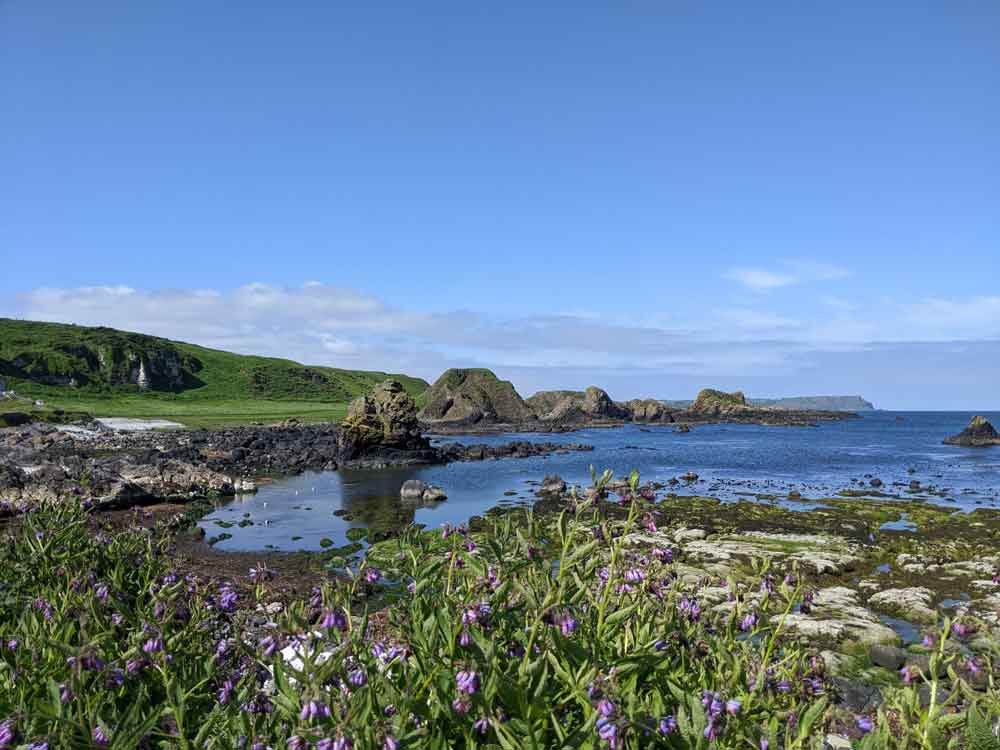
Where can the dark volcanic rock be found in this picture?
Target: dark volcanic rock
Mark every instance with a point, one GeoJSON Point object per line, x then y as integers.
{"type": "Point", "coordinates": [978, 434]}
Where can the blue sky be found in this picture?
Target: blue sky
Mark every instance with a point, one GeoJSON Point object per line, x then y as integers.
{"type": "Point", "coordinates": [652, 196]}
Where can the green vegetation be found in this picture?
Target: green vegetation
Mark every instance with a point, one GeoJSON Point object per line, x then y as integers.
{"type": "Point", "coordinates": [97, 370]}
{"type": "Point", "coordinates": [562, 631]}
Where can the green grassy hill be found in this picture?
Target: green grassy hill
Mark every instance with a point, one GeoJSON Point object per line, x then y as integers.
{"type": "Point", "coordinates": [107, 372]}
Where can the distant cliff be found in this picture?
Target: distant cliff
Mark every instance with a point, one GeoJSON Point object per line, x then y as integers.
{"type": "Point", "coordinates": [816, 403]}
{"type": "Point", "coordinates": [796, 403]}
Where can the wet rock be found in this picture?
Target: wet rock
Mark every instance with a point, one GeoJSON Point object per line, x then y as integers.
{"type": "Point", "coordinates": [412, 489]}
{"type": "Point", "coordinates": [553, 484]}
{"type": "Point", "coordinates": [927, 690]}
{"type": "Point", "coordinates": [890, 657]}
{"type": "Point", "coordinates": [856, 696]}
{"type": "Point", "coordinates": [434, 494]}
{"type": "Point", "coordinates": [913, 603]}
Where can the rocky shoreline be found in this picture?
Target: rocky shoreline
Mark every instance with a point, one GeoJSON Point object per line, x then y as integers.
{"type": "Point", "coordinates": [42, 463]}
{"type": "Point", "coordinates": [883, 578]}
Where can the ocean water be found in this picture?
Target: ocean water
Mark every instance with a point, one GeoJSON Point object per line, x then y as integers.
{"type": "Point", "coordinates": [733, 462]}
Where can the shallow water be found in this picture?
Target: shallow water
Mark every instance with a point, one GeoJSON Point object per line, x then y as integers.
{"type": "Point", "coordinates": [734, 462]}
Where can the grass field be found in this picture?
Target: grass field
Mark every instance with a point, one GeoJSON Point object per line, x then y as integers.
{"type": "Point", "coordinates": [219, 387]}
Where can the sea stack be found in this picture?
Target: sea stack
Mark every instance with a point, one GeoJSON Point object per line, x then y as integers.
{"type": "Point", "coordinates": [979, 434]}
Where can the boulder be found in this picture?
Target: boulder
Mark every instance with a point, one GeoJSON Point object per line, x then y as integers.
{"type": "Point", "coordinates": [412, 489]}
{"type": "Point", "coordinates": [979, 434]}
{"type": "Point", "coordinates": [416, 491]}
{"type": "Point", "coordinates": [386, 418]}
{"type": "Point", "coordinates": [553, 485]}
{"type": "Point", "coordinates": [434, 494]}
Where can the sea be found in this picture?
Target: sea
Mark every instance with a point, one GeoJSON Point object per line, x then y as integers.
{"type": "Point", "coordinates": [733, 463]}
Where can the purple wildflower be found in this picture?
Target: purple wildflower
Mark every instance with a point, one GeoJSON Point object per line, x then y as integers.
{"type": "Point", "coordinates": [467, 682]}
{"type": "Point", "coordinates": [865, 724]}
{"type": "Point", "coordinates": [225, 693]}
{"type": "Point", "coordinates": [461, 705]}
{"type": "Point", "coordinates": [749, 622]}
{"type": "Point", "coordinates": [663, 555]}
{"type": "Point", "coordinates": [607, 730]}
{"type": "Point", "coordinates": [268, 645]}
{"type": "Point", "coordinates": [100, 737]}
{"type": "Point", "coordinates": [372, 575]}
{"type": "Point", "coordinates": [153, 645]}
{"type": "Point", "coordinates": [634, 575]}
{"type": "Point", "coordinates": [357, 677]}
{"type": "Point", "coordinates": [334, 619]}
{"type": "Point", "coordinates": [668, 725]}
{"type": "Point", "coordinates": [314, 710]}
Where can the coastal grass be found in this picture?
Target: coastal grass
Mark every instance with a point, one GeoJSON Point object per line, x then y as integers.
{"type": "Point", "coordinates": [196, 412]}
{"type": "Point", "coordinates": [218, 387]}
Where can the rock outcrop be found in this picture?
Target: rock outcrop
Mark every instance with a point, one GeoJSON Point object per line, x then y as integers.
{"type": "Point", "coordinates": [978, 434]}
{"type": "Point", "coordinates": [383, 420]}
{"type": "Point", "coordinates": [577, 407]}
{"type": "Point", "coordinates": [472, 397]}
{"type": "Point", "coordinates": [713, 403]}
{"type": "Point", "coordinates": [649, 410]}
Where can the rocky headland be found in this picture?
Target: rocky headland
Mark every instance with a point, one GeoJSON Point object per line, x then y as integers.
{"type": "Point", "coordinates": [471, 401]}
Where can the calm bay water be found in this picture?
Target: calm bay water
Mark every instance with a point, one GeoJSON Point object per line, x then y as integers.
{"type": "Point", "coordinates": [733, 462]}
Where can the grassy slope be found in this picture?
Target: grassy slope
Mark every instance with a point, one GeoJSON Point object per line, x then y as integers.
{"type": "Point", "coordinates": [236, 388]}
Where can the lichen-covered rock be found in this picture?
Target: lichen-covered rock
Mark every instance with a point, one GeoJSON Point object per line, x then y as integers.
{"type": "Point", "coordinates": [813, 552]}
{"type": "Point", "coordinates": [837, 615]}
{"type": "Point", "coordinates": [980, 433]}
{"type": "Point", "coordinates": [386, 418]}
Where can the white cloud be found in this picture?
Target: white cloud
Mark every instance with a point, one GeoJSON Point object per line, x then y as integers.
{"type": "Point", "coordinates": [760, 279]}
{"type": "Point", "coordinates": [790, 273]}
{"type": "Point", "coordinates": [329, 325]}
